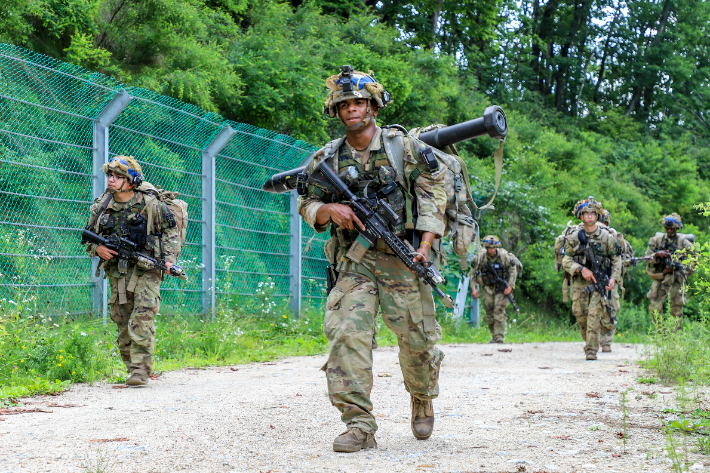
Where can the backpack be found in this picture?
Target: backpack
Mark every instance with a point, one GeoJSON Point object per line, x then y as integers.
{"type": "Point", "coordinates": [560, 243]}
{"type": "Point", "coordinates": [687, 236]}
{"type": "Point", "coordinates": [167, 198]}
{"type": "Point", "coordinates": [516, 264]}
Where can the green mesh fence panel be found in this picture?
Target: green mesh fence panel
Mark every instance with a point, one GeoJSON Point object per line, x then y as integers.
{"type": "Point", "coordinates": [46, 116]}
{"type": "Point", "coordinates": [47, 113]}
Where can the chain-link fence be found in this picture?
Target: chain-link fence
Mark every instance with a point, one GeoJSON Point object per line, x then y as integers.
{"type": "Point", "coordinates": [60, 123]}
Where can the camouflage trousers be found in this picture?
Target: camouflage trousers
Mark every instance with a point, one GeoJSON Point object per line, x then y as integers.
{"type": "Point", "coordinates": [592, 317]}
{"type": "Point", "coordinates": [607, 336]}
{"type": "Point", "coordinates": [660, 292]}
{"type": "Point", "coordinates": [135, 320]}
{"type": "Point", "coordinates": [495, 303]}
{"type": "Point", "coordinates": [378, 280]}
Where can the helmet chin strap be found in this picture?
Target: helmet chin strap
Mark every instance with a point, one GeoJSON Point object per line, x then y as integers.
{"type": "Point", "coordinates": [360, 125]}
{"type": "Point", "coordinates": [118, 191]}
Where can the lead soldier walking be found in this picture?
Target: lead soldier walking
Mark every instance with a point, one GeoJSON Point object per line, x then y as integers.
{"type": "Point", "coordinates": [368, 278]}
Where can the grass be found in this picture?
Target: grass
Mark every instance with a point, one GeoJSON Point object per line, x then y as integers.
{"type": "Point", "coordinates": [679, 354]}
{"type": "Point", "coordinates": [42, 355]}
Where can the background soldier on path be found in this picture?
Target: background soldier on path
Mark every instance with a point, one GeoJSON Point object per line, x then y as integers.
{"type": "Point", "coordinates": [494, 295]}
{"type": "Point", "coordinates": [589, 306]}
{"type": "Point", "coordinates": [375, 277]}
{"type": "Point", "coordinates": [124, 209]}
{"type": "Point", "coordinates": [667, 271]}
{"type": "Point", "coordinates": [627, 252]}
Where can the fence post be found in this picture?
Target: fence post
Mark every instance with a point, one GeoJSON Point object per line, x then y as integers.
{"type": "Point", "coordinates": [476, 308]}
{"type": "Point", "coordinates": [209, 236]}
{"type": "Point", "coordinates": [295, 227]}
{"type": "Point", "coordinates": [100, 157]}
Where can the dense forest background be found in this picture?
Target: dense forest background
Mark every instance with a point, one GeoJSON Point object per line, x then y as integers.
{"type": "Point", "coordinates": [604, 97]}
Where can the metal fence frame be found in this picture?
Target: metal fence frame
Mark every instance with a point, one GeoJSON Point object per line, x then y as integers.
{"type": "Point", "coordinates": [111, 110]}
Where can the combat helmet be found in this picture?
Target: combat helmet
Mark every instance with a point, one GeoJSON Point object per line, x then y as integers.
{"type": "Point", "coordinates": [588, 205]}
{"type": "Point", "coordinates": [126, 166]}
{"type": "Point", "coordinates": [491, 241]}
{"type": "Point", "coordinates": [672, 221]}
{"type": "Point", "coordinates": [351, 84]}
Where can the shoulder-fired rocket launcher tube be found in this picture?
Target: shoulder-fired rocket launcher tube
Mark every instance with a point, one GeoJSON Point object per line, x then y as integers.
{"type": "Point", "coordinates": [493, 123]}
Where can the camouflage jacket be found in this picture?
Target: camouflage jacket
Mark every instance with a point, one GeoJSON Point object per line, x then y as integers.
{"type": "Point", "coordinates": [427, 187]}
{"type": "Point", "coordinates": [163, 237]}
{"type": "Point", "coordinates": [504, 264]}
{"type": "Point", "coordinates": [627, 251]}
{"type": "Point", "coordinates": [656, 266]}
{"type": "Point", "coordinates": [605, 247]}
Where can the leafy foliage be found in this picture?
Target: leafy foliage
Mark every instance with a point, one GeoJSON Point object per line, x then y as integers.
{"type": "Point", "coordinates": [603, 98]}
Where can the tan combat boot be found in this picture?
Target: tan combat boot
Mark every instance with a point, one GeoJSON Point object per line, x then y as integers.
{"type": "Point", "coordinates": [354, 440]}
{"type": "Point", "coordinates": [138, 378]}
{"type": "Point", "coordinates": [422, 418]}
{"type": "Point", "coordinates": [591, 355]}
{"type": "Point", "coordinates": [606, 349]}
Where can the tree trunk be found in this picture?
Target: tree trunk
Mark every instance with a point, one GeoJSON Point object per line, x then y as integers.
{"type": "Point", "coordinates": [602, 66]}
{"type": "Point", "coordinates": [640, 89]}
{"type": "Point", "coordinates": [435, 24]}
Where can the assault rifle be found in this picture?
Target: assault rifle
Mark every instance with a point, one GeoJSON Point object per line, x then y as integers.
{"type": "Point", "coordinates": [503, 284]}
{"type": "Point", "coordinates": [601, 277]}
{"type": "Point", "coordinates": [635, 261]}
{"type": "Point", "coordinates": [668, 261]}
{"type": "Point", "coordinates": [126, 250]}
{"type": "Point", "coordinates": [377, 215]}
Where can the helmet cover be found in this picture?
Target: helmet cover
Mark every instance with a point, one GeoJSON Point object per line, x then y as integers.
{"type": "Point", "coordinates": [672, 221]}
{"type": "Point", "coordinates": [351, 84]}
{"type": "Point", "coordinates": [588, 205]}
{"type": "Point", "coordinates": [125, 166]}
{"type": "Point", "coordinates": [491, 241]}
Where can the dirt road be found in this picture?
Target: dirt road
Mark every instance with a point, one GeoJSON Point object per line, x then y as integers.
{"type": "Point", "coordinates": [539, 407]}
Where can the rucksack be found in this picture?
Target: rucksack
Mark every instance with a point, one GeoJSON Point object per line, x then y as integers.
{"type": "Point", "coordinates": [168, 198]}
{"type": "Point", "coordinates": [560, 243]}
{"type": "Point", "coordinates": [687, 236]}
{"type": "Point", "coordinates": [517, 264]}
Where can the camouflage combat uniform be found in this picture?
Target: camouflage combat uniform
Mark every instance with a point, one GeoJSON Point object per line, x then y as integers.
{"type": "Point", "coordinates": [378, 279]}
{"type": "Point", "coordinates": [671, 284]}
{"type": "Point", "coordinates": [588, 308]}
{"type": "Point", "coordinates": [607, 335]}
{"type": "Point", "coordinates": [494, 301]}
{"type": "Point", "coordinates": [135, 295]}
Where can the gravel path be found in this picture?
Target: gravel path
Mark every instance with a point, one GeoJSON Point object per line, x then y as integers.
{"type": "Point", "coordinates": [539, 407]}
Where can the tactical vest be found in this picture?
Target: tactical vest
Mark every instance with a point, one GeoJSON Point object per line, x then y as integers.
{"type": "Point", "coordinates": [660, 242]}
{"type": "Point", "coordinates": [598, 247]}
{"type": "Point", "coordinates": [378, 178]}
{"type": "Point", "coordinates": [489, 278]}
{"type": "Point", "coordinates": [126, 223]}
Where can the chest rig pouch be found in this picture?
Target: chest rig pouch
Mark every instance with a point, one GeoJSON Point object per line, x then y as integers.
{"type": "Point", "coordinates": [489, 278]}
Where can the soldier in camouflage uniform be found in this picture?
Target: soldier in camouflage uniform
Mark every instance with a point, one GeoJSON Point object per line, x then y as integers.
{"type": "Point", "coordinates": [627, 252]}
{"type": "Point", "coordinates": [588, 307]}
{"type": "Point", "coordinates": [494, 300]}
{"type": "Point", "coordinates": [375, 277]}
{"type": "Point", "coordinates": [135, 293]}
{"type": "Point", "coordinates": [668, 280]}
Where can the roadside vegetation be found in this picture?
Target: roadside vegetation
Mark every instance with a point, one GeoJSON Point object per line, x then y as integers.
{"type": "Point", "coordinates": [44, 355]}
